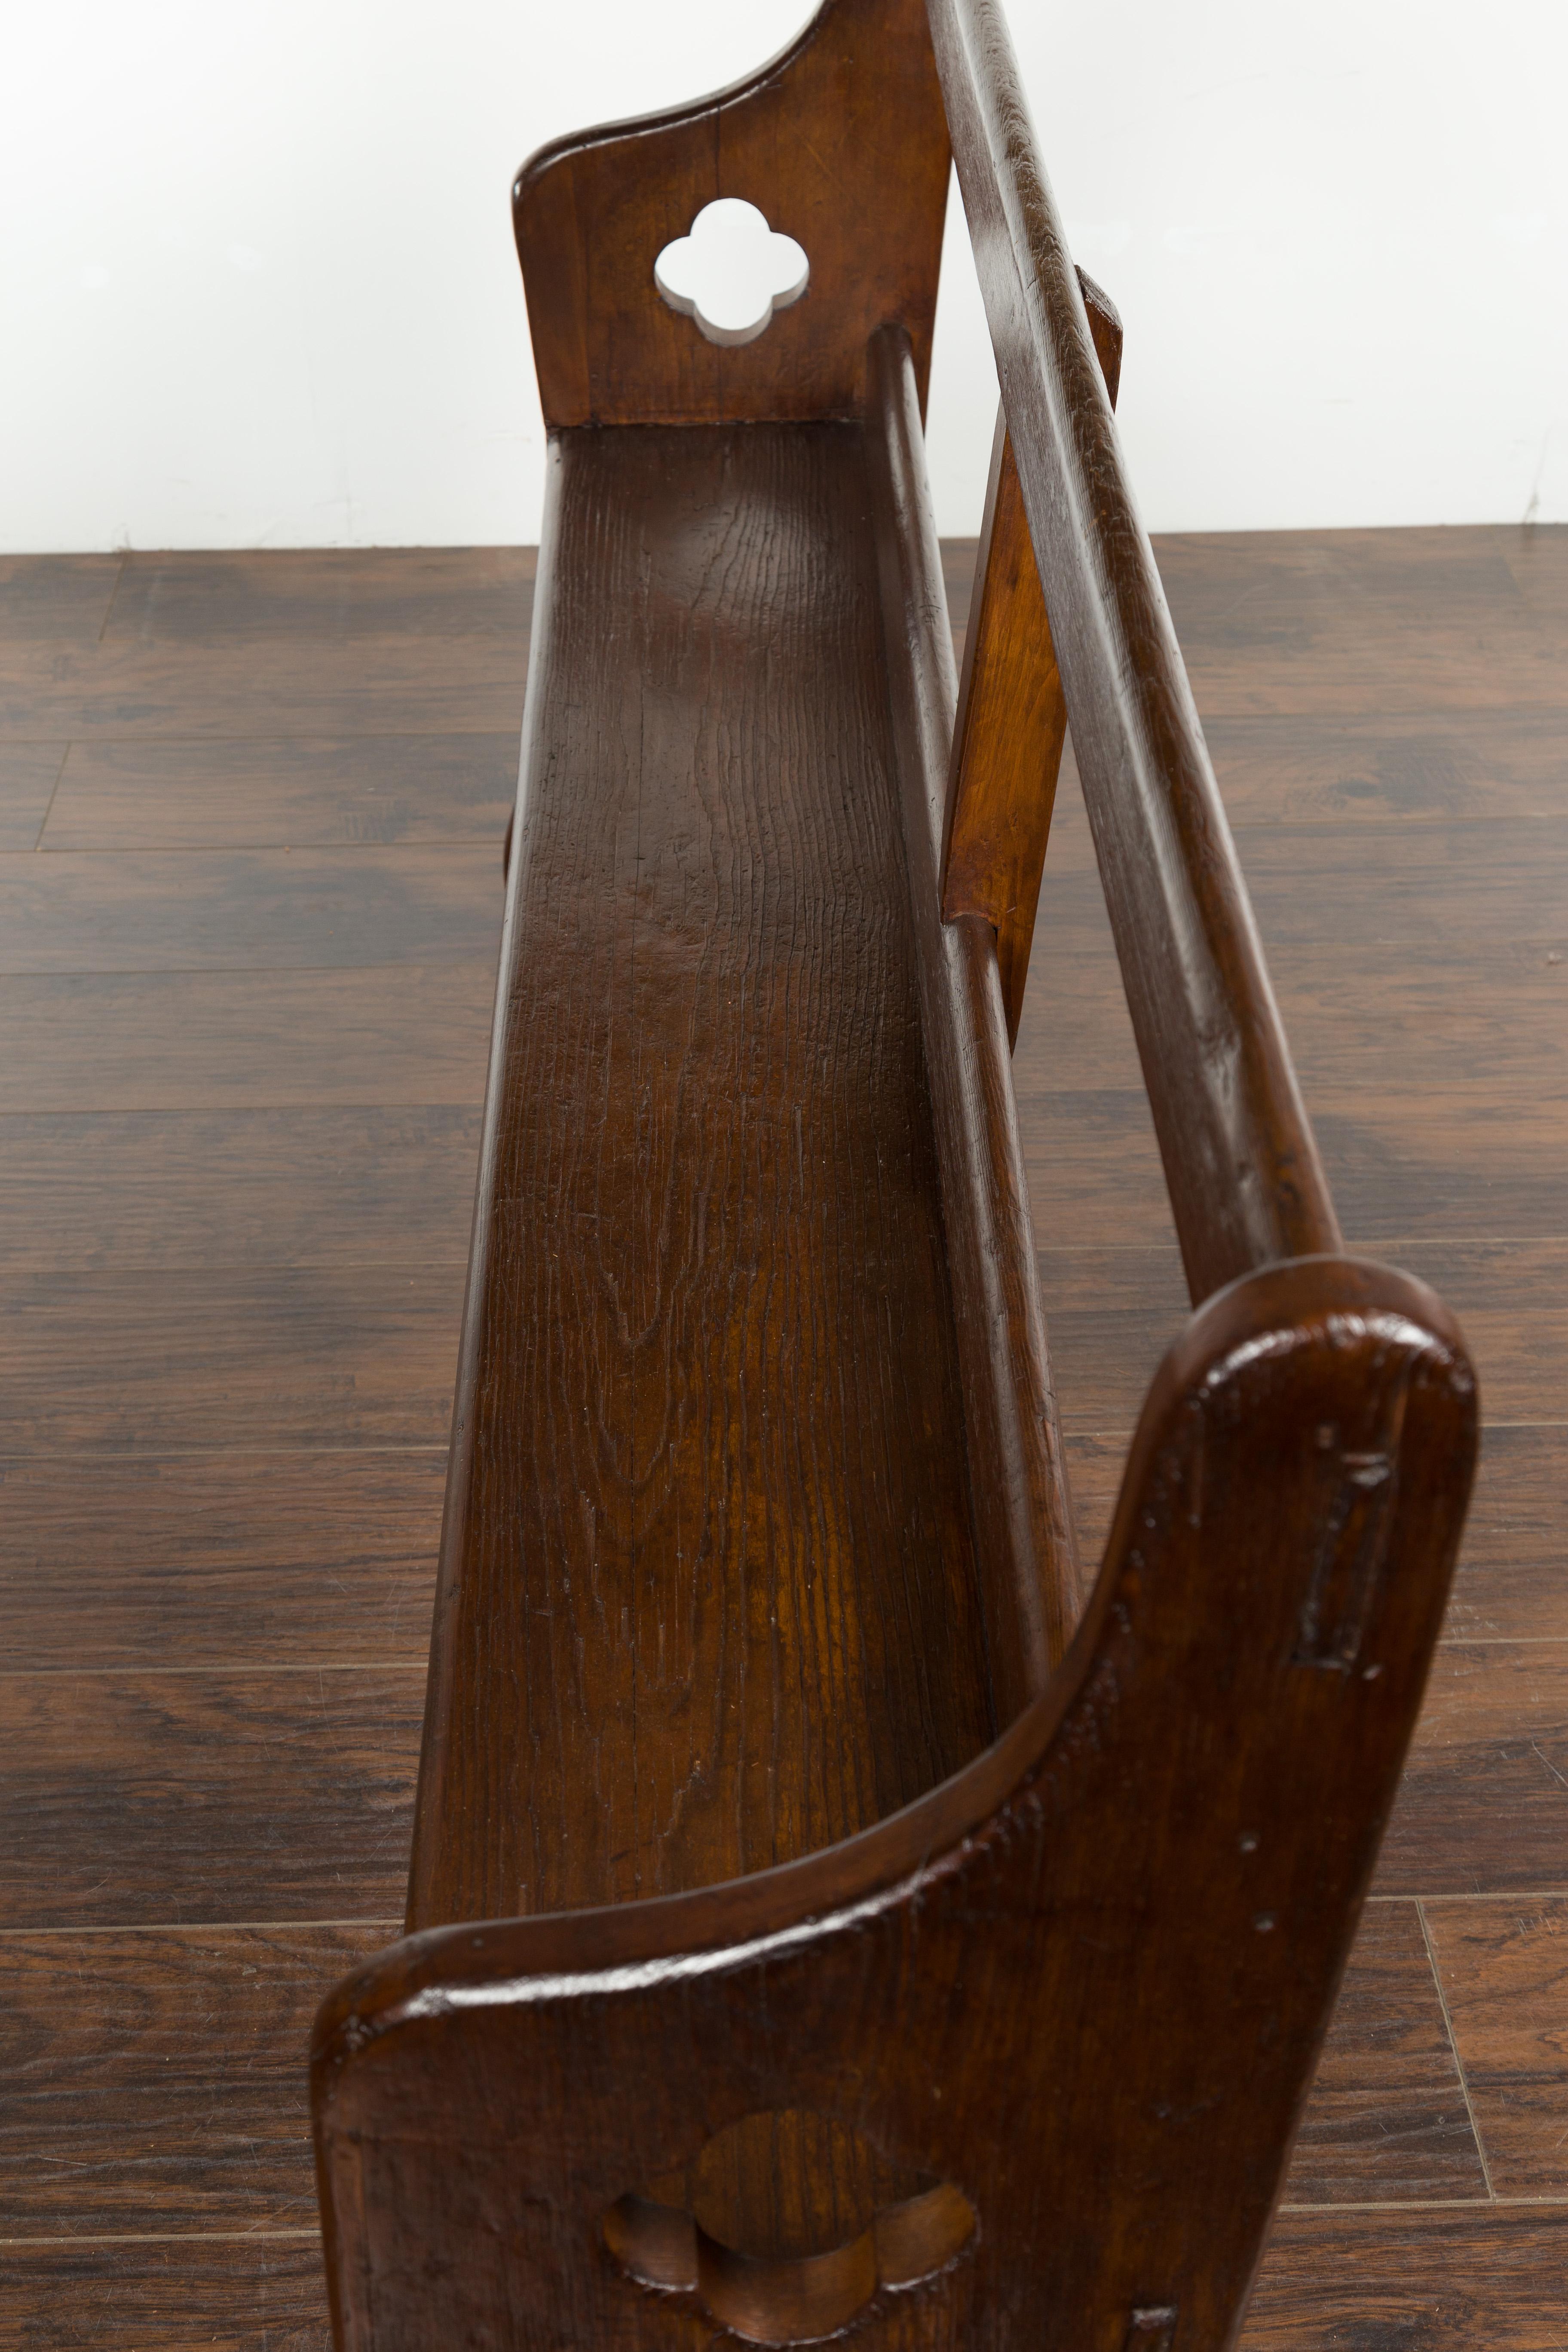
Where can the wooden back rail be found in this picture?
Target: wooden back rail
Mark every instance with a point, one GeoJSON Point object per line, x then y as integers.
{"type": "Point", "coordinates": [824, 1912]}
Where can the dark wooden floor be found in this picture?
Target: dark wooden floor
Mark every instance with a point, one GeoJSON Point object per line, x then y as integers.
{"type": "Point", "coordinates": [251, 813]}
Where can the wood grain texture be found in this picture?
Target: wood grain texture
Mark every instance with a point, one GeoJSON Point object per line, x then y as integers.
{"type": "Point", "coordinates": [863, 189]}
{"type": "Point", "coordinates": [1504, 1972]}
{"type": "Point", "coordinates": [205, 1797]}
{"type": "Point", "coordinates": [60, 598]}
{"type": "Point", "coordinates": [1510, 1583]}
{"type": "Point", "coordinates": [990, 1942]}
{"type": "Point", "coordinates": [219, 1560]}
{"type": "Point", "coordinates": [262, 909]}
{"type": "Point", "coordinates": [295, 793]}
{"type": "Point", "coordinates": [1012, 713]}
{"type": "Point", "coordinates": [278, 1188]}
{"type": "Point", "coordinates": [1357, 622]}
{"type": "Point", "coordinates": [378, 1034]}
{"type": "Point", "coordinates": [1411, 2282]}
{"type": "Point", "coordinates": [29, 774]}
{"type": "Point", "coordinates": [212, 2292]}
{"type": "Point", "coordinates": [1113, 1311]}
{"type": "Point", "coordinates": [709, 1536]}
{"type": "Point", "coordinates": [1387, 2120]}
{"type": "Point", "coordinates": [1421, 767]}
{"type": "Point", "coordinates": [1245, 1184]}
{"type": "Point", "coordinates": [1028, 1555]}
{"type": "Point", "coordinates": [1483, 1806]}
{"type": "Point", "coordinates": [174, 1358]}
{"type": "Point", "coordinates": [153, 2079]}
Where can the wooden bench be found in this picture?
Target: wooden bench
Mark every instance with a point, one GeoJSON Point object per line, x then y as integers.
{"type": "Point", "coordinates": [829, 1907]}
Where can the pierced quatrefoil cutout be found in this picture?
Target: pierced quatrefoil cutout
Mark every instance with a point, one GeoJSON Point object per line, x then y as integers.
{"type": "Point", "coordinates": [788, 2224]}
{"type": "Point", "coordinates": [732, 272]}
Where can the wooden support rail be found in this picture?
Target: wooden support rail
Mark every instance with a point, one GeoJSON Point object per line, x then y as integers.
{"type": "Point", "coordinates": [1012, 713]}
{"type": "Point", "coordinates": [1245, 1183]}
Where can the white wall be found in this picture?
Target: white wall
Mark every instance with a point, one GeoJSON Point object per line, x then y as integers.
{"type": "Point", "coordinates": [256, 282]}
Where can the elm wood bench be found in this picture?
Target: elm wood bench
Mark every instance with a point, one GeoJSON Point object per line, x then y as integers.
{"type": "Point", "coordinates": [830, 1909]}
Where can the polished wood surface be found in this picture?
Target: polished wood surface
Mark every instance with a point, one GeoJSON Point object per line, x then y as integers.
{"type": "Point", "coordinates": [1361, 680]}
{"type": "Point", "coordinates": [839, 142]}
{"type": "Point", "coordinates": [1012, 712]}
{"type": "Point", "coordinates": [1245, 1183]}
{"type": "Point", "coordinates": [676, 1641]}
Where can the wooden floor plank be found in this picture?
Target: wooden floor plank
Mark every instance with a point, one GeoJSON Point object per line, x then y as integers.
{"type": "Point", "coordinates": [174, 1360]}
{"type": "Point", "coordinates": [1483, 1805]}
{"type": "Point", "coordinates": [298, 792]}
{"type": "Point", "coordinates": [28, 773]}
{"type": "Point", "coordinates": [219, 1560]}
{"type": "Point", "coordinates": [1511, 1585]}
{"type": "Point", "coordinates": [1423, 767]}
{"type": "Point", "coordinates": [1387, 2118]}
{"type": "Point", "coordinates": [1113, 1312]}
{"type": "Point", "coordinates": [382, 1035]}
{"type": "Point", "coordinates": [261, 909]}
{"type": "Point", "coordinates": [1484, 2281]}
{"type": "Point", "coordinates": [58, 600]}
{"type": "Point", "coordinates": [1503, 1966]}
{"type": "Point", "coordinates": [287, 1187]}
{"type": "Point", "coordinates": [207, 1798]}
{"type": "Point", "coordinates": [158, 2081]}
{"type": "Point", "coordinates": [263, 597]}
{"type": "Point", "coordinates": [243, 2292]}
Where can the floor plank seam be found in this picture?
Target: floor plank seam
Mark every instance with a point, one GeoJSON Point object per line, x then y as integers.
{"type": "Point", "coordinates": [1454, 2047]}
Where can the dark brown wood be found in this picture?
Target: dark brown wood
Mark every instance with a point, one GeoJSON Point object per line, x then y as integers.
{"type": "Point", "coordinates": [707, 1589]}
{"type": "Point", "coordinates": [947, 1983]}
{"type": "Point", "coordinates": [119, 2115]}
{"type": "Point", "coordinates": [203, 1798]}
{"type": "Point", "coordinates": [174, 1358]}
{"type": "Point", "coordinates": [1387, 2121]}
{"type": "Point", "coordinates": [1445, 2281]}
{"type": "Point", "coordinates": [1503, 1967]}
{"type": "Point", "coordinates": [28, 774]}
{"type": "Point", "coordinates": [272, 1557]}
{"type": "Point", "coordinates": [1458, 1120]}
{"type": "Point", "coordinates": [1012, 714]}
{"type": "Point", "coordinates": [1243, 1171]}
{"type": "Point", "coordinates": [299, 793]}
{"type": "Point", "coordinates": [167, 1041]}
{"type": "Point", "coordinates": [1027, 1555]}
{"type": "Point", "coordinates": [863, 189]}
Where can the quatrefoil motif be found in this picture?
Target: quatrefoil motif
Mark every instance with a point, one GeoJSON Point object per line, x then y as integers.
{"type": "Point", "coordinates": [732, 272]}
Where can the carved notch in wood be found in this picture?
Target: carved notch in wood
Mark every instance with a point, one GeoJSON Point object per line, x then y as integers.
{"type": "Point", "coordinates": [788, 2225]}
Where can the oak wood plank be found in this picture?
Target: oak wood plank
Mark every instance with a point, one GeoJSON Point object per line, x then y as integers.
{"type": "Point", "coordinates": [155, 2082]}
{"type": "Point", "coordinates": [219, 1560]}
{"type": "Point", "coordinates": [1406, 1164]}
{"type": "Point", "coordinates": [292, 596]}
{"type": "Point", "coordinates": [375, 1034]}
{"type": "Point", "coordinates": [708, 1587]}
{"type": "Point", "coordinates": [298, 792]}
{"type": "Point", "coordinates": [1504, 1972]}
{"type": "Point", "coordinates": [174, 1358]}
{"type": "Point", "coordinates": [259, 910]}
{"type": "Point", "coordinates": [1387, 2118]}
{"type": "Point", "coordinates": [59, 600]}
{"type": "Point", "coordinates": [203, 1798]}
{"type": "Point", "coordinates": [29, 774]}
{"type": "Point", "coordinates": [213, 2291]}
{"type": "Point", "coordinates": [285, 1187]}
{"type": "Point", "coordinates": [1436, 2282]}
{"type": "Point", "coordinates": [1483, 1805]}
{"type": "Point", "coordinates": [1114, 1311]}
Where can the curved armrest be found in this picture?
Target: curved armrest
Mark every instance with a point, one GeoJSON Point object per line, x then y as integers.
{"type": "Point", "coordinates": [841, 142]}
{"type": "Point", "coordinates": [1081, 1987]}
